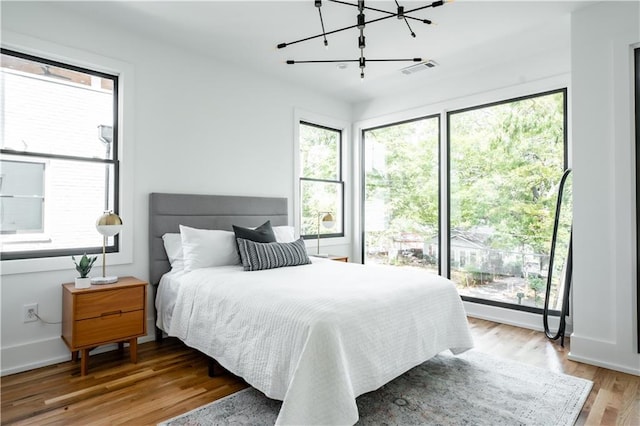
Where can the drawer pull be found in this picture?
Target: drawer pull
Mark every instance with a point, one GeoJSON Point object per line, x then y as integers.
{"type": "Point", "coordinates": [106, 314]}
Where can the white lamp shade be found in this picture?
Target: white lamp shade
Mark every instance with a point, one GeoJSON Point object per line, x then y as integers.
{"type": "Point", "coordinates": [109, 224]}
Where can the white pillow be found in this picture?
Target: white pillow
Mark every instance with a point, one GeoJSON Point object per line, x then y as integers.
{"type": "Point", "coordinates": [173, 247]}
{"type": "Point", "coordinates": [284, 234]}
{"type": "Point", "coordinates": [204, 248]}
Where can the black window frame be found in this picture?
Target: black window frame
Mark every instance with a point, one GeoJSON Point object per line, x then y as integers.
{"type": "Point", "coordinates": [113, 161]}
{"type": "Point", "coordinates": [447, 234]}
{"type": "Point", "coordinates": [437, 116]}
{"type": "Point", "coordinates": [339, 182]}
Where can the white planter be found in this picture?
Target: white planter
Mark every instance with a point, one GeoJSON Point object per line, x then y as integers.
{"type": "Point", "coordinates": [83, 282]}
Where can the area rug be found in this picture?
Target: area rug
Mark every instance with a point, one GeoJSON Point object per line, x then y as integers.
{"type": "Point", "coordinates": [469, 389]}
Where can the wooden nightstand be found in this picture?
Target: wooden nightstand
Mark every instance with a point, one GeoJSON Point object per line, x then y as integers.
{"type": "Point", "coordinates": [339, 258]}
{"type": "Point", "coordinates": [102, 314]}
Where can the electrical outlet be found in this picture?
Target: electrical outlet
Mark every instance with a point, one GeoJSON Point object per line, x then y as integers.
{"type": "Point", "coordinates": [30, 312]}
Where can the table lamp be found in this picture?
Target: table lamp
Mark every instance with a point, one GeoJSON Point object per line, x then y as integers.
{"type": "Point", "coordinates": [109, 224]}
{"type": "Point", "coordinates": [326, 218]}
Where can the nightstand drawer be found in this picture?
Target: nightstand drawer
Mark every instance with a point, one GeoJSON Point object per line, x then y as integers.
{"type": "Point", "coordinates": [95, 304]}
{"type": "Point", "coordinates": [94, 331]}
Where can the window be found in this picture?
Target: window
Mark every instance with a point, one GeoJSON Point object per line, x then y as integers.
{"type": "Point", "coordinates": [58, 157]}
{"type": "Point", "coordinates": [401, 194]}
{"type": "Point", "coordinates": [506, 161]}
{"type": "Point", "coordinates": [321, 182]}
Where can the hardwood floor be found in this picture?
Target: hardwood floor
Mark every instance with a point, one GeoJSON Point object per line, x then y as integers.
{"type": "Point", "coordinates": [171, 379]}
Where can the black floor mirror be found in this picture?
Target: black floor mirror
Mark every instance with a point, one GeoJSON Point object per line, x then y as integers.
{"type": "Point", "coordinates": [556, 300]}
{"type": "Point", "coordinates": [637, 166]}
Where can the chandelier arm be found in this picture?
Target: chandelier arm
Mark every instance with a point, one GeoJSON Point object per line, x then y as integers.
{"type": "Point", "coordinates": [291, 62]}
{"type": "Point", "coordinates": [326, 43]}
{"type": "Point", "coordinates": [396, 60]}
{"type": "Point", "coordinates": [404, 18]}
{"type": "Point", "coordinates": [282, 45]}
{"type": "Point", "coordinates": [409, 26]}
{"type": "Point", "coordinates": [424, 21]}
{"type": "Point", "coordinates": [392, 14]}
{"type": "Point", "coordinates": [346, 3]}
{"type": "Point", "coordinates": [432, 4]}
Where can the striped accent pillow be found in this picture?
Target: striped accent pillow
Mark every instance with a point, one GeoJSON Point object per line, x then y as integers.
{"type": "Point", "coordinates": [258, 256]}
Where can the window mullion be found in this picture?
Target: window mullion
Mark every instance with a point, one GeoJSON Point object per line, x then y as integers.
{"type": "Point", "coordinates": [57, 156]}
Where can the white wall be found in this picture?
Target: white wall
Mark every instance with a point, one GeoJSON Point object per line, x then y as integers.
{"type": "Point", "coordinates": [198, 126]}
{"type": "Point", "coordinates": [542, 53]}
{"type": "Point", "coordinates": [605, 258]}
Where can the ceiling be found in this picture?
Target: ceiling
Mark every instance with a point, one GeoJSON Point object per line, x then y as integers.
{"type": "Point", "coordinates": [465, 35]}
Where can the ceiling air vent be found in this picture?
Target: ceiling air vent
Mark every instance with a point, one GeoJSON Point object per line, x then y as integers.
{"type": "Point", "coordinates": [419, 67]}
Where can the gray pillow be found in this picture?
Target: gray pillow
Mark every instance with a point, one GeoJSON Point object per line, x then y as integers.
{"type": "Point", "coordinates": [259, 256]}
{"type": "Point", "coordinates": [261, 234]}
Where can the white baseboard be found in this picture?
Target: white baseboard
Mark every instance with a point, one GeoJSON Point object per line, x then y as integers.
{"type": "Point", "coordinates": [521, 319]}
{"type": "Point", "coordinates": [41, 353]}
{"type": "Point", "coordinates": [604, 354]}
{"type": "Point", "coordinates": [28, 356]}
{"type": "Point", "coordinates": [603, 364]}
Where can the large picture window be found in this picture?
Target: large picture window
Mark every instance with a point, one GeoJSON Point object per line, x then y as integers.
{"type": "Point", "coordinates": [401, 206]}
{"type": "Point", "coordinates": [504, 165]}
{"type": "Point", "coordinates": [321, 182]}
{"type": "Point", "coordinates": [58, 156]}
{"type": "Point", "coordinates": [506, 161]}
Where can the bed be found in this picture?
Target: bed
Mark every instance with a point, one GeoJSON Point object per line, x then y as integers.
{"type": "Point", "coordinates": [314, 336]}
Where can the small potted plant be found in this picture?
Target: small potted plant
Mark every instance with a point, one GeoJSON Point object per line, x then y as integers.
{"type": "Point", "coordinates": [84, 267]}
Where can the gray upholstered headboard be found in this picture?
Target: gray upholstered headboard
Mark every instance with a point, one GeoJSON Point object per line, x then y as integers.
{"type": "Point", "coordinates": [167, 211]}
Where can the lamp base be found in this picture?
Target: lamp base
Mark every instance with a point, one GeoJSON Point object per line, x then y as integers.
{"type": "Point", "coordinates": [320, 255]}
{"type": "Point", "coordinates": [103, 280]}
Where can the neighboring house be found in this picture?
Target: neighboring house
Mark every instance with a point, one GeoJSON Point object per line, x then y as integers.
{"type": "Point", "coordinates": [470, 250]}
{"type": "Point", "coordinates": [467, 248]}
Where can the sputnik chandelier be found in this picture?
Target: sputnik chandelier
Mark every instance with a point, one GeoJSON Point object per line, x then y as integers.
{"type": "Point", "coordinates": [361, 23]}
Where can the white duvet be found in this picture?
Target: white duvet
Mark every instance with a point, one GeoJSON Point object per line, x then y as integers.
{"type": "Point", "coordinates": [316, 336]}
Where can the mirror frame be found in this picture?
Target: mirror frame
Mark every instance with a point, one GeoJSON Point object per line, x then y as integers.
{"type": "Point", "coordinates": [637, 131]}
{"type": "Point", "coordinates": [567, 268]}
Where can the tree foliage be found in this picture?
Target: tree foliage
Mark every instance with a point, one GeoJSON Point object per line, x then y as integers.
{"type": "Point", "coordinates": [319, 160]}
{"type": "Point", "coordinates": [402, 176]}
{"type": "Point", "coordinates": [505, 159]}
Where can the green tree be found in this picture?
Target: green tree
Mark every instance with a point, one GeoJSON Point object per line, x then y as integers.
{"type": "Point", "coordinates": [401, 174]}
{"type": "Point", "coordinates": [319, 159]}
{"type": "Point", "coordinates": [505, 164]}
{"type": "Point", "coordinates": [506, 161]}
{"type": "Point", "coordinates": [537, 285]}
